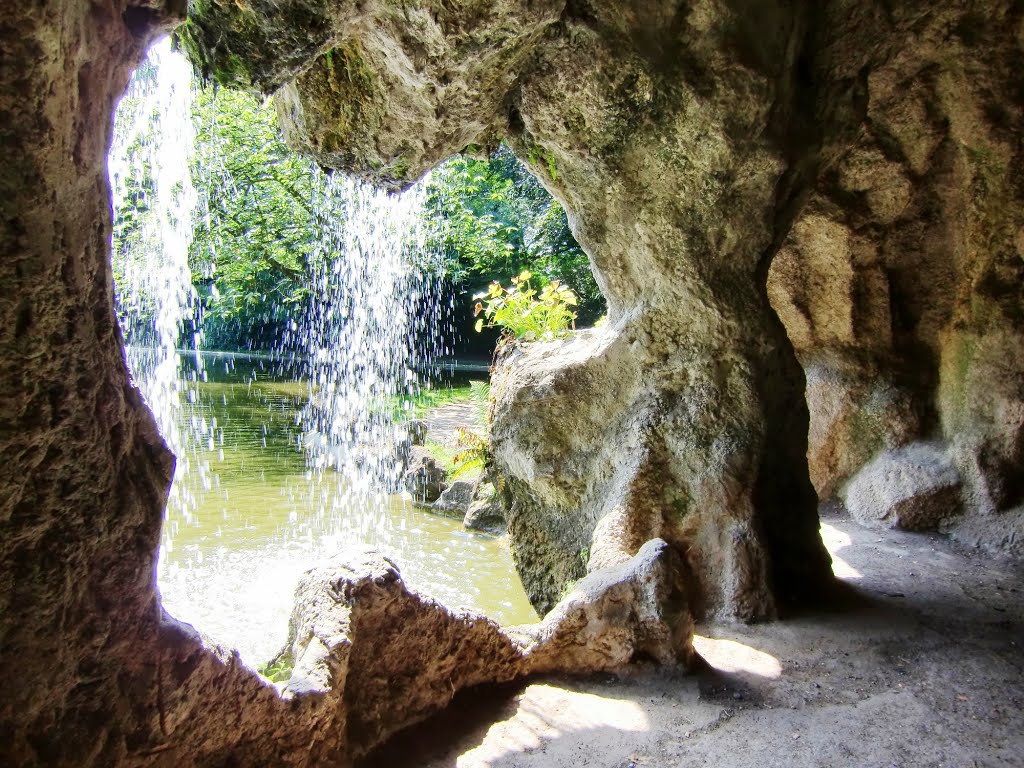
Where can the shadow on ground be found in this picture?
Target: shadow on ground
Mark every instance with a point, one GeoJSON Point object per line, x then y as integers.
{"type": "Point", "coordinates": [918, 663]}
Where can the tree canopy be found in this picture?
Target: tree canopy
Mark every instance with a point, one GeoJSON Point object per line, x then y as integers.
{"type": "Point", "coordinates": [255, 229]}
{"type": "Point", "coordinates": [256, 226]}
{"type": "Point", "coordinates": [491, 220]}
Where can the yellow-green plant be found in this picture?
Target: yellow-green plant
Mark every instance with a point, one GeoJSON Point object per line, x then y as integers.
{"type": "Point", "coordinates": [525, 313]}
{"type": "Point", "coordinates": [474, 452]}
{"type": "Point", "coordinates": [276, 671]}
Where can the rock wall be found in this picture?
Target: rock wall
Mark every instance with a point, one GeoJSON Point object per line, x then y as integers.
{"type": "Point", "coordinates": [663, 129]}
{"type": "Point", "coordinates": [84, 471]}
{"type": "Point", "coordinates": [98, 674]}
{"type": "Point", "coordinates": [900, 283]}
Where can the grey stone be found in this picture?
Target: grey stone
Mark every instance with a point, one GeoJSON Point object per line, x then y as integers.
{"type": "Point", "coordinates": [365, 648]}
{"type": "Point", "coordinates": [456, 499]}
{"type": "Point", "coordinates": [916, 487]}
{"type": "Point", "coordinates": [424, 478]}
{"type": "Point", "coordinates": [615, 615]}
{"type": "Point", "coordinates": [485, 513]}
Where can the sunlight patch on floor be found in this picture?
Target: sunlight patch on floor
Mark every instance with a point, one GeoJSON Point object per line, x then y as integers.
{"type": "Point", "coordinates": [545, 713]}
{"type": "Point", "coordinates": [835, 540]}
{"type": "Point", "coordinates": [731, 656]}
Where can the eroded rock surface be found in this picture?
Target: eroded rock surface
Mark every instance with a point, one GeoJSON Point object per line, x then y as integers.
{"type": "Point", "coordinates": [916, 488]}
{"type": "Point", "coordinates": [369, 657]}
{"type": "Point", "coordinates": [685, 141]}
{"type": "Point", "coordinates": [382, 656]}
{"type": "Point", "coordinates": [485, 512]}
{"type": "Point", "coordinates": [617, 615]}
{"type": "Point", "coordinates": [901, 282]}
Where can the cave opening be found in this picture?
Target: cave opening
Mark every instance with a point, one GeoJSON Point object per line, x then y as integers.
{"type": "Point", "coordinates": [298, 335]}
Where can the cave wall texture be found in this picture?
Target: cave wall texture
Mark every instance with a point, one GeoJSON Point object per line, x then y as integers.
{"type": "Point", "coordinates": [901, 284]}
{"type": "Point", "coordinates": [767, 192]}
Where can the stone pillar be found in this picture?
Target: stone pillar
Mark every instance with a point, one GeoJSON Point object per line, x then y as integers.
{"type": "Point", "coordinates": [684, 417]}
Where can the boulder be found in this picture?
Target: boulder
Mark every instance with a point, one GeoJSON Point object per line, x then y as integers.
{"type": "Point", "coordinates": [615, 616]}
{"type": "Point", "coordinates": [456, 499]}
{"type": "Point", "coordinates": [485, 513]}
{"type": "Point", "coordinates": [916, 488]}
{"type": "Point", "coordinates": [424, 478]}
{"type": "Point", "coordinates": [856, 411]}
{"type": "Point", "coordinates": [380, 656]}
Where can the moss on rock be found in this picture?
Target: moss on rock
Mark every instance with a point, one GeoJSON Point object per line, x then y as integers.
{"type": "Point", "coordinates": [254, 44]}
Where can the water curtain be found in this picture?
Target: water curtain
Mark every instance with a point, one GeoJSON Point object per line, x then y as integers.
{"type": "Point", "coordinates": [369, 331]}
{"type": "Point", "coordinates": [153, 203]}
{"type": "Point", "coordinates": [370, 327]}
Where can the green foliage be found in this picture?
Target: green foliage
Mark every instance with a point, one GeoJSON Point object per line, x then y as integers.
{"type": "Point", "coordinates": [491, 219]}
{"type": "Point", "coordinates": [538, 156]}
{"type": "Point", "coordinates": [254, 247]}
{"type": "Point", "coordinates": [255, 234]}
{"type": "Point", "coordinates": [418, 404]}
{"type": "Point", "coordinates": [277, 671]}
{"type": "Point", "coordinates": [474, 452]}
{"type": "Point", "coordinates": [523, 312]}
{"type": "Point", "coordinates": [480, 394]}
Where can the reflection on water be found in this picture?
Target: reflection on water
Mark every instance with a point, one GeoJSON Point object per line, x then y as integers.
{"type": "Point", "coordinates": [235, 546]}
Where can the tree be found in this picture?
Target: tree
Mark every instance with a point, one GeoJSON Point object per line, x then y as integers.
{"type": "Point", "coordinates": [491, 220]}
{"type": "Point", "coordinates": [255, 230]}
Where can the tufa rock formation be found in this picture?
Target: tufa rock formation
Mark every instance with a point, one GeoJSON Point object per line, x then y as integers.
{"type": "Point", "coordinates": [901, 283]}
{"type": "Point", "coordinates": [368, 658]}
{"type": "Point", "coordinates": [765, 188]}
{"type": "Point", "coordinates": [680, 141]}
{"type": "Point", "coordinates": [916, 488]}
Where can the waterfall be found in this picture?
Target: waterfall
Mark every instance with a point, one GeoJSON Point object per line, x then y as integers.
{"type": "Point", "coordinates": [366, 334]}
{"type": "Point", "coordinates": [153, 202]}
{"type": "Point", "coordinates": [242, 521]}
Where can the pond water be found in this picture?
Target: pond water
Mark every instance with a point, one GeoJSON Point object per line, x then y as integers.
{"type": "Point", "coordinates": [247, 517]}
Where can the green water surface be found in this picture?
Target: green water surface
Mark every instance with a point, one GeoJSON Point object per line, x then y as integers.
{"type": "Point", "coordinates": [247, 517]}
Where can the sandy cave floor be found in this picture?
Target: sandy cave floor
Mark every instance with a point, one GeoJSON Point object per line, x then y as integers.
{"type": "Point", "coordinates": [922, 666]}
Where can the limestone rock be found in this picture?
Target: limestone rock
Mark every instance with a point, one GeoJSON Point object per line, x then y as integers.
{"type": "Point", "coordinates": [351, 80]}
{"type": "Point", "coordinates": [616, 616]}
{"type": "Point", "coordinates": [856, 411]}
{"type": "Point", "coordinates": [485, 513]}
{"type": "Point", "coordinates": [278, 47]}
{"type": "Point", "coordinates": [916, 488]}
{"type": "Point", "coordinates": [424, 478]}
{"type": "Point", "coordinates": [456, 499]}
{"type": "Point", "coordinates": [369, 657]}
{"type": "Point", "coordinates": [900, 281]}
{"type": "Point", "coordinates": [981, 394]}
{"type": "Point", "coordinates": [383, 656]}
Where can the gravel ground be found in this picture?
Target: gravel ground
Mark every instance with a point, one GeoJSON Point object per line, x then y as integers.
{"type": "Point", "coordinates": [921, 665]}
